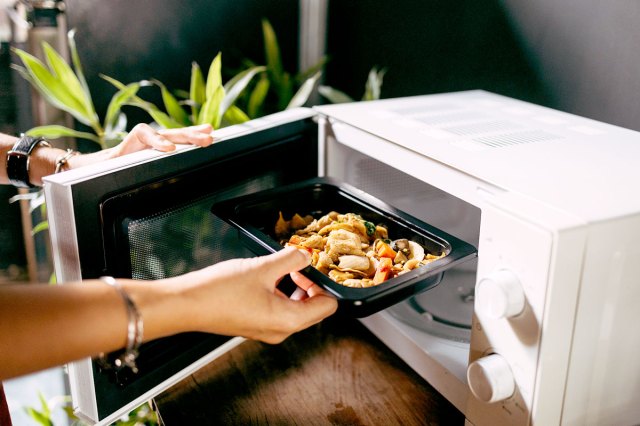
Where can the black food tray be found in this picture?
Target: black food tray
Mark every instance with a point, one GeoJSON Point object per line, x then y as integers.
{"type": "Point", "coordinates": [255, 216]}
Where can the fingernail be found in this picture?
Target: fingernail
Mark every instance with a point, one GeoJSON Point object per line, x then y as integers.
{"type": "Point", "coordinates": [306, 254]}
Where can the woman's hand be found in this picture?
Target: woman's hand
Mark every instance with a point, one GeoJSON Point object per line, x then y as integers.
{"type": "Point", "coordinates": [143, 136]}
{"type": "Point", "coordinates": [239, 297]}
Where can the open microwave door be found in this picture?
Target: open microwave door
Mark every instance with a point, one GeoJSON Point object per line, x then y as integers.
{"type": "Point", "coordinates": [147, 216]}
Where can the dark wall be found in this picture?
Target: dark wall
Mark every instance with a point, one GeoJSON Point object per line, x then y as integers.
{"type": "Point", "coordinates": [579, 56]}
{"type": "Point", "coordinates": [132, 40]}
{"type": "Point", "coordinates": [575, 55]}
{"type": "Point", "coordinates": [586, 53]}
{"type": "Point", "coordinates": [11, 243]}
{"type": "Point", "coordinates": [429, 47]}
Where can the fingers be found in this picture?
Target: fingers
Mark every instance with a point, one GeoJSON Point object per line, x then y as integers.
{"type": "Point", "coordinates": [196, 135]}
{"type": "Point", "coordinates": [312, 310]}
{"type": "Point", "coordinates": [143, 136]}
{"type": "Point", "coordinates": [299, 294]}
{"type": "Point", "coordinates": [284, 261]}
{"type": "Point", "coordinates": [317, 305]}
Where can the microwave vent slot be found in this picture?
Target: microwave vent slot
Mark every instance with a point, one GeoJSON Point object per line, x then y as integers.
{"type": "Point", "coordinates": [477, 129]}
{"type": "Point", "coordinates": [516, 138]}
{"type": "Point", "coordinates": [423, 109]}
{"type": "Point", "coordinates": [451, 118]}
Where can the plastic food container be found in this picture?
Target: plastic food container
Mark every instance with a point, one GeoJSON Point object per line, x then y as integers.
{"type": "Point", "coordinates": [255, 216]}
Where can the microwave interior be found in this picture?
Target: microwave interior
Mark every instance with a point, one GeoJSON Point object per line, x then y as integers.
{"type": "Point", "coordinates": [154, 220]}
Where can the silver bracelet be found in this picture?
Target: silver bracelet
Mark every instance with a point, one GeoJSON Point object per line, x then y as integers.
{"type": "Point", "coordinates": [135, 330]}
{"type": "Point", "coordinates": [63, 159]}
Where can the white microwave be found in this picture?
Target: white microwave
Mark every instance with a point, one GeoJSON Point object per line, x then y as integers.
{"type": "Point", "coordinates": [537, 330]}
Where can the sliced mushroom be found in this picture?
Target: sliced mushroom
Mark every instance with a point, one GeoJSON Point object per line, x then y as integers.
{"type": "Point", "coordinates": [417, 251]}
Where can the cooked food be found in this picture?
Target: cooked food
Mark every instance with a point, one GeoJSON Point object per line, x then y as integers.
{"type": "Point", "coordinates": [350, 250]}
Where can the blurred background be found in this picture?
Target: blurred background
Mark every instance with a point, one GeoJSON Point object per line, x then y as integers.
{"type": "Point", "coordinates": [578, 56]}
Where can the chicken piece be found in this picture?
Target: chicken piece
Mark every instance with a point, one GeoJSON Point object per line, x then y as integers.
{"type": "Point", "coordinates": [341, 242]}
{"type": "Point", "coordinates": [324, 263]}
{"type": "Point", "coordinates": [340, 276]}
{"type": "Point", "coordinates": [327, 219]}
{"type": "Point", "coordinates": [411, 264]}
{"type": "Point", "coordinates": [339, 225]}
{"type": "Point", "coordinates": [357, 223]}
{"type": "Point", "coordinates": [355, 283]}
{"type": "Point", "coordinates": [360, 263]}
{"type": "Point", "coordinates": [314, 241]}
{"type": "Point", "coordinates": [381, 232]}
{"type": "Point", "coordinates": [310, 228]}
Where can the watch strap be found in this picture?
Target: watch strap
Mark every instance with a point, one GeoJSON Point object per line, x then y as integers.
{"type": "Point", "coordinates": [18, 160]}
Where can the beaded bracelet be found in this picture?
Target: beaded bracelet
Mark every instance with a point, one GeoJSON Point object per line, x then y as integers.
{"type": "Point", "coordinates": [135, 330]}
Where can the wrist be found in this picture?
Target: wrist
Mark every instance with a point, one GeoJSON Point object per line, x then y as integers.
{"type": "Point", "coordinates": [160, 306]}
{"type": "Point", "coordinates": [20, 161]}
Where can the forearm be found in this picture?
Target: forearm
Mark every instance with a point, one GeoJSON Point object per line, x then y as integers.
{"type": "Point", "coordinates": [43, 326]}
{"type": "Point", "coordinates": [42, 161]}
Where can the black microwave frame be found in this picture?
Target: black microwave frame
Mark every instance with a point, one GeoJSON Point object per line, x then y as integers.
{"type": "Point", "coordinates": [87, 208]}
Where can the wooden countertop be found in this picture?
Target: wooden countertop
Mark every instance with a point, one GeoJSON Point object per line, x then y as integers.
{"type": "Point", "coordinates": [335, 373]}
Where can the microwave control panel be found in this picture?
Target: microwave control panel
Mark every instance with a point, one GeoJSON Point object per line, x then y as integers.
{"type": "Point", "coordinates": [513, 266]}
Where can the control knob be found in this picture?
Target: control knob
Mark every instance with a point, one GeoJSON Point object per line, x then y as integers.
{"type": "Point", "coordinates": [500, 295]}
{"type": "Point", "coordinates": [490, 378]}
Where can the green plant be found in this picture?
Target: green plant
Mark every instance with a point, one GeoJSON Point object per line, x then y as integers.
{"type": "Point", "coordinates": [143, 415]}
{"type": "Point", "coordinates": [372, 89]}
{"type": "Point", "coordinates": [277, 89]}
{"type": "Point", "coordinates": [66, 89]}
{"type": "Point", "coordinates": [208, 101]}
{"type": "Point", "coordinates": [274, 90]}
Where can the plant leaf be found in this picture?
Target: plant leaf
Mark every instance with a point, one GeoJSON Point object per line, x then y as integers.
{"type": "Point", "coordinates": [210, 112]}
{"type": "Point", "coordinates": [285, 91]}
{"type": "Point", "coordinates": [44, 404]}
{"type": "Point", "coordinates": [334, 96]}
{"type": "Point", "coordinates": [373, 86]}
{"type": "Point", "coordinates": [42, 226]}
{"type": "Point", "coordinates": [38, 416]}
{"type": "Point", "coordinates": [51, 89]}
{"type": "Point", "coordinates": [214, 78]}
{"type": "Point", "coordinates": [309, 72]}
{"type": "Point", "coordinates": [302, 95]}
{"type": "Point", "coordinates": [236, 86]}
{"type": "Point", "coordinates": [235, 115]}
{"type": "Point", "coordinates": [110, 132]}
{"type": "Point", "coordinates": [120, 98]}
{"type": "Point", "coordinates": [56, 131]}
{"type": "Point", "coordinates": [182, 94]}
{"type": "Point", "coordinates": [257, 97]}
{"type": "Point", "coordinates": [196, 91]}
{"type": "Point", "coordinates": [158, 116]}
{"type": "Point", "coordinates": [67, 77]}
{"type": "Point", "coordinates": [75, 58]}
{"type": "Point", "coordinates": [172, 106]}
{"type": "Point", "coordinates": [272, 53]}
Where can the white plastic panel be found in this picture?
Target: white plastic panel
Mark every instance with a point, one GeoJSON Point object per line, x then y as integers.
{"type": "Point", "coordinates": [516, 339]}
{"type": "Point", "coordinates": [604, 373]}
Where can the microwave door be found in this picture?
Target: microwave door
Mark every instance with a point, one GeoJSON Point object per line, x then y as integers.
{"type": "Point", "coordinates": [148, 216]}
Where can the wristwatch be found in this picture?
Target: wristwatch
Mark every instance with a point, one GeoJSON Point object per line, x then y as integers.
{"type": "Point", "coordinates": [18, 160]}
